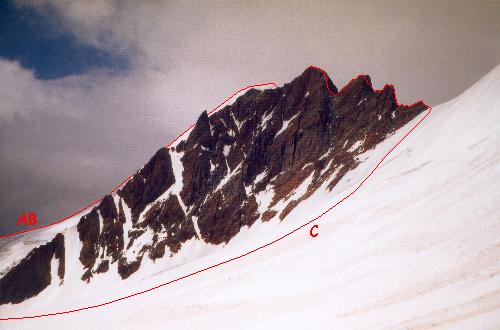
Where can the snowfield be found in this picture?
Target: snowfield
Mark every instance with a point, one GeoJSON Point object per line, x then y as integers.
{"type": "Point", "coordinates": [417, 246]}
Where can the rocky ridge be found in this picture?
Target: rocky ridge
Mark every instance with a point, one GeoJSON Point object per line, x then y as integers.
{"type": "Point", "coordinates": [210, 184]}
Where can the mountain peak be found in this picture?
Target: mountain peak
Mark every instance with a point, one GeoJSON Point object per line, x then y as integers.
{"type": "Point", "coordinates": [388, 95]}
{"type": "Point", "coordinates": [314, 79]}
{"type": "Point", "coordinates": [360, 84]}
{"type": "Point", "coordinates": [201, 131]}
{"type": "Point", "coordinates": [238, 166]}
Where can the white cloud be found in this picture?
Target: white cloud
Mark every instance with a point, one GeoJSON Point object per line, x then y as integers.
{"type": "Point", "coordinates": [90, 131]}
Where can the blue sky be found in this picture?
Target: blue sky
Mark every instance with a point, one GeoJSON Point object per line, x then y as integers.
{"type": "Point", "coordinates": [89, 90]}
{"type": "Point", "coordinates": [39, 45]}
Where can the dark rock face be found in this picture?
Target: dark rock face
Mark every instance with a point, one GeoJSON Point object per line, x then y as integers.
{"type": "Point", "coordinates": [196, 162]}
{"type": "Point", "coordinates": [88, 232]}
{"type": "Point", "coordinates": [125, 269]}
{"type": "Point", "coordinates": [236, 141]}
{"type": "Point", "coordinates": [103, 267]}
{"type": "Point", "coordinates": [168, 216]}
{"type": "Point", "coordinates": [108, 239]}
{"type": "Point", "coordinates": [283, 136]}
{"type": "Point", "coordinates": [229, 209]}
{"type": "Point", "coordinates": [149, 183]}
{"type": "Point", "coordinates": [111, 238]}
{"type": "Point", "coordinates": [33, 274]}
{"type": "Point", "coordinates": [277, 141]}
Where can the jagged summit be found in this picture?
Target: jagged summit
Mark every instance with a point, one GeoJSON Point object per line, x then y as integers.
{"type": "Point", "coordinates": [360, 84]}
{"type": "Point", "coordinates": [252, 161]}
{"type": "Point", "coordinates": [312, 79]}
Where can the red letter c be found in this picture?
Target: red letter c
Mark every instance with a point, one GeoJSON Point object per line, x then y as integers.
{"type": "Point", "coordinates": [311, 231]}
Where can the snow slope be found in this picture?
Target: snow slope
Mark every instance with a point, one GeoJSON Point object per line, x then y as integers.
{"type": "Point", "coordinates": [418, 246]}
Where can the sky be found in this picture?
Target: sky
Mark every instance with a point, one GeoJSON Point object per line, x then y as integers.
{"type": "Point", "coordinates": [90, 90]}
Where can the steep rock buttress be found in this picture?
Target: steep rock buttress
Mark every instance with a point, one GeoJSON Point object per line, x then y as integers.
{"type": "Point", "coordinates": [207, 186]}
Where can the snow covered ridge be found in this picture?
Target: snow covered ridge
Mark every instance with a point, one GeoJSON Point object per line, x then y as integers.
{"type": "Point", "coordinates": [253, 161]}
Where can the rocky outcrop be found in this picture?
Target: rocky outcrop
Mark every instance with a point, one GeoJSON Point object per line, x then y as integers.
{"type": "Point", "coordinates": [149, 183]}
{"type": "Point", "coordinates": [126, 268]}
{"type": "Point", "coordinates": [284, 142]}
{"type": "Point", "coordinates": [270, 140]}
{"type": "Point", "coordinates": [168, 217]}
{"type": "Point", "coordinates": [281, 136]}
{"type": "Point", "coordinates": [101, 234]}
{"type": "Point", "coordinates": [111, 237]}
{"type": "Point", "coordinates": [33, 273]}
{"type": "Point", "coordinates": [102, 230]}
{"type": "Point", "coordinates": [88, 230]}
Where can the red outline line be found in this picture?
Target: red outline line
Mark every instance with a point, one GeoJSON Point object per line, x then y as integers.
{"type": "Point", "coordinates": [251, 251]}
{"type": "Point", "coordinates": [128, 178]}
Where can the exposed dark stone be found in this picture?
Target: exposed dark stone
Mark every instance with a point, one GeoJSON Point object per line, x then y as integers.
{"type": "Point", "coordinates": [266, 140]}
{"type": "Point", "coordinates": [87, 275]}
{"type": "Point", "coordinates": [196, 174]}
{"type": "Point", "coordinates": [133, 235]}
{"type": "Point", "coordinates": [268, 215]}
{"type": "Point", "coordinates": [88, 231]}
{"type": "Point", "coordinates": [111, 237]}
{"type": "Point", "coordinates": [103, 267]}
{"type": "Point", "coordinates": [158, 250]}
{"type": "Point", "coordinates": [149, 183]}
{"type": "Point", "coordinates": [125, 269]}
{"type": "Point", "coordinates": [163, 215]}
{"type": "Point", "coordinates": [320, 125]}
{"type": "Point", "coordinates": [222, 216]}
{"type": "Point", "coordinates": [201, 133]}
{"type": "Point", "coordinates": [180, 146]}
{"type": "Point", "coordinates": [168, 217]}
{"type": "Point", "coordinates": [33, 273]}
{"type": "Point", "coordinates": [59, 253]}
